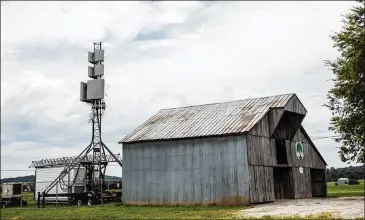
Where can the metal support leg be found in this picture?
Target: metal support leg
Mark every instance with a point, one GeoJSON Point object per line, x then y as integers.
{"type": "Point", "coordinates": [57, 195]}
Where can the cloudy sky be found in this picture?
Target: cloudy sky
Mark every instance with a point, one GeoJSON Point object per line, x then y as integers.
{"type": "Point", "coordinates": [158, 55]}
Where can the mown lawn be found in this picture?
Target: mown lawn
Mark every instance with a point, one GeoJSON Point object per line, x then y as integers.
{"type": "Point", "coordinates": [117, 211]}
{"type": "Point", "coordinates": [345, 190]}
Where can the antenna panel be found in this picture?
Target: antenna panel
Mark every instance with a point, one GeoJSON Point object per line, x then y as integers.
{"type": "Point", "coordinates": [95, 89]}
{"type": "Point", "coordinates": [83, 91]}
{"type": "Point", "coordinates": [99, 55]}
{"type": "Point", "coordinates": [91, 72]}
{"type": "Point", "coordinates": [99, 69]}
{"type": "Point", "coordinates": [91, 57]}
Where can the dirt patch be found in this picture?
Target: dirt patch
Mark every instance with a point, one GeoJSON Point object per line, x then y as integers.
{"type": "Point", "coordinates": [338, 207]}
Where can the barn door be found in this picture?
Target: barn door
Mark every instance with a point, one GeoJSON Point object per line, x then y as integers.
{"type": "Point", "coordinates": [283, 183]}
{"type": "Point", "coordinates": [319, 186]}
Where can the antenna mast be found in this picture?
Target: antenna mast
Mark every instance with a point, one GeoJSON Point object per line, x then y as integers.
{"type": "Point", "coordinates": [92, 93]}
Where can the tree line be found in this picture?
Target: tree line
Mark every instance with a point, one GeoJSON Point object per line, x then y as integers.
{"type": "Point", "coordinates": [351, 172]}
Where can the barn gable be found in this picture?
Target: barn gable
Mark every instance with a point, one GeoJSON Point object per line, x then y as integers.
{"type": "Point", "coordinates": [316, 158]}
{"type": "Point", "coordinates": [281, 122]}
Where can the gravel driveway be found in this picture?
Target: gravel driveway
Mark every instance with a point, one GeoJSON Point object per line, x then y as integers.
{"type": "Point", "coordinates": [346, 207]}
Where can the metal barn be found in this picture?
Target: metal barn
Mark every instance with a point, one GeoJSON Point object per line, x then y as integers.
{"type": "Point", "coordinates": [231, 153]}
{"type": "Point", "coordinates": [343, 181]}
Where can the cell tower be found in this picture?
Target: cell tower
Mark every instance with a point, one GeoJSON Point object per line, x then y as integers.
{"type": "Point", "coordinates": [93, 157]}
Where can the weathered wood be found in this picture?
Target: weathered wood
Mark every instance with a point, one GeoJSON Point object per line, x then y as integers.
{"type": "Point", "coordinates": [311, 159]}
{"type": "Point", "coordinates": [283, 183]}
{"type": "Point", "coordinates": [261, 184]}
{"type": "Point", "coordinates": [275, 115]}
{"type": "Point", "coordinates": [288, 125]}
{"type": "Point", "coordinates": [294, 105]}
{"type": "Point", "coordinates": [319, 186]}
{"type": "Point", "coordinates": [302, 183]}
{"type": "Point", "coordinates": [227, 169]}
{"type": "Point", "coordinates": [262, 128]}
{"type": "Point", "coordinates": [261, 151]}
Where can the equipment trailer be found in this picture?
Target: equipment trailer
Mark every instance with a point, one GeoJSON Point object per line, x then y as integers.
{"type": "Point", "coordinates": [11, 195]}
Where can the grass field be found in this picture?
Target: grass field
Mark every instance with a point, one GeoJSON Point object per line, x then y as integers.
{"type": "Point", "coordinates": [345, 190]}
{"type": "Point", "coordinates": [118, 211]}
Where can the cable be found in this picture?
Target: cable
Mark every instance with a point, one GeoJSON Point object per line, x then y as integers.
{"type": "Point", "coordinates": [333, 136]}
{"type": "Point", "coordinates": [74, 181]}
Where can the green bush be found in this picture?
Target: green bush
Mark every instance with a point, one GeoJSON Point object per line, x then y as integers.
{"type": "Point", "coordinates": [353, 182]}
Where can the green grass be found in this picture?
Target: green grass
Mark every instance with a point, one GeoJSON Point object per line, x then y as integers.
{"type": "Point", "coordinates": [345, 190]}
{"type": "Point", "coordinates": [117, 211]}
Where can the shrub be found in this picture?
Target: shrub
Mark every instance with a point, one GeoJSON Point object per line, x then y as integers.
{"type": "Point", "coordinates": [353, 182]}
{"type": "Point", "coordinates": [336, 184]}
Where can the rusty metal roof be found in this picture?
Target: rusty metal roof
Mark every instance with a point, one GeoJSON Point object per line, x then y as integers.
{"type": "Point", "coordinates": [206, 120]}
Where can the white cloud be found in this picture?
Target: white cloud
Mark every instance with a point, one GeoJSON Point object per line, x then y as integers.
{"type": "Point", "coordinates": [209, 52]}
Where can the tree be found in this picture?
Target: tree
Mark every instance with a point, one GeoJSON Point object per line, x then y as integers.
{"type": "Point", "coordinates": [346, 99]}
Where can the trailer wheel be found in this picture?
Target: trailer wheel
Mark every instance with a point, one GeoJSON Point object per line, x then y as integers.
{"type": "Point", "coordinates": [79, 203]}
{"type": "Point", "coordinates": [3, 205]}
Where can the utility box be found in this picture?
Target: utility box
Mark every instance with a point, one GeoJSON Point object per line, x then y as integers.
{"type": "Point", "coordinates": [10, 190]}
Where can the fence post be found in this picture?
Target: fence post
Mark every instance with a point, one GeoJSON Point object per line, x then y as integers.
{"type": "Point", "coordinates": [21, 195]}
{"type": "Point", "coordinates": [39, 200]}
{"type": "Point", "coordinates": [43, 200]}
{"type": "Point", "coordinates": [101, 191]}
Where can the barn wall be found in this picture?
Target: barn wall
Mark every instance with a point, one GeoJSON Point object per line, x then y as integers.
{"type": "Point", "coordinates": [261, 151]}
{"type": "Point", "coordinates": [274, 118]}
{"type": "Point", "coordinates": [261, 147]}
{"type": "Point", "coordinates": [196, 171]}
{"type": "Point", "coordinates": [261, 184]}
{"type": "Point", "coordinates": [262, 127]}
{"type": "Point", "coordinates": [302, 183]}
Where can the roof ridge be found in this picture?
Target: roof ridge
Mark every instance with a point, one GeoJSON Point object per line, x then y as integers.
{"type": "Point", "coordinates": [215, 103]}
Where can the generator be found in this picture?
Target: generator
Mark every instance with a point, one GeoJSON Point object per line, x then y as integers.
{"type": "Point", "coordinates": [11, 195]}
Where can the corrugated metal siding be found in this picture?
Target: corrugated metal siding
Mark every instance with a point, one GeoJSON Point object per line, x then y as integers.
{"type": "Point", "coordinates": [45, 176]}
{"type": "Point", "coordinates": [206, 120]}
{"type": "Point", "coordinates": [190, 171]}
